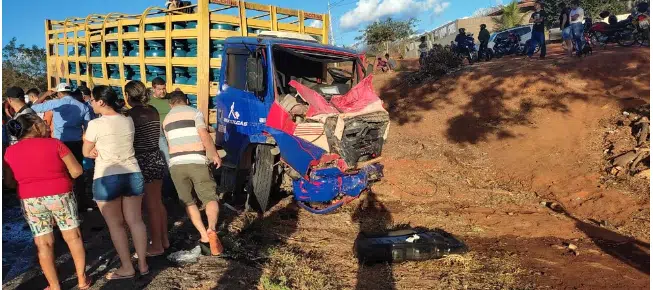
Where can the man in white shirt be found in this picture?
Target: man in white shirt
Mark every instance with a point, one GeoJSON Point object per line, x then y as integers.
{"type": "Point", "coordinates": [576, 17]}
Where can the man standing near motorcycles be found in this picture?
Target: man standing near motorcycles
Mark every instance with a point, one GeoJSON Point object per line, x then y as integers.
{"type": "Point", "coordinates": [576, 17]}
{"type": "Point", "coordinates": [461, 37]}
{"type": "Point", "coordinates": [565, 28]}
{"type": "Point", "coordinates": [464, 45]}
{"type": "Point", "coordinates": [537, 36]}
{"type": "Point", "coordinates": [484, 38]}
{"type": "Point", "coordinates": [423, 49]}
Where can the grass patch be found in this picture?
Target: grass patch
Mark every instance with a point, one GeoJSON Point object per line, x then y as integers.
{"type": "Point", "coordinates": [269, 285]}
{"type": "Point", "coordinates": [291, 268]}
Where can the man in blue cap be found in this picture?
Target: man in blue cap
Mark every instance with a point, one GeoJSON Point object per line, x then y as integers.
{"type": "Point", "coordinates": [70, 119]}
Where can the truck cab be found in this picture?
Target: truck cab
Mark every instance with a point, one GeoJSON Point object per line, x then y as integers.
{"type": "Point", "coordinates": [298, 116]}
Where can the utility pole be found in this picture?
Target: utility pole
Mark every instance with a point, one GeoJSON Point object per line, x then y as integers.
{"type": "Point", "coordinates": [332, 39]}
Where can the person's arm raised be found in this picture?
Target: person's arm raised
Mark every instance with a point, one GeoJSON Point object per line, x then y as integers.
{"type": "Point", "coordinates": [41, 107]}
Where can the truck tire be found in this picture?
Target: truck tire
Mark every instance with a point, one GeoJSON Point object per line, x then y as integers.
{"type": "Point", "coordinates": [261, 176]}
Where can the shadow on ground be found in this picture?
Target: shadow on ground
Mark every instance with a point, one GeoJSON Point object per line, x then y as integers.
{"type": "Point", "coordinates": [373, 217]}
{"type": "Point", "coordinates": [505, 93]}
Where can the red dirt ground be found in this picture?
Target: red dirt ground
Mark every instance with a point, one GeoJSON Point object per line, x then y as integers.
{"type": "Point", "coordinates": [475, 154]}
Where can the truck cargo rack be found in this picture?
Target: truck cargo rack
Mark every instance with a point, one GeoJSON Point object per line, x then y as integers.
{"type": "Point", "coordinates": [183, 48]}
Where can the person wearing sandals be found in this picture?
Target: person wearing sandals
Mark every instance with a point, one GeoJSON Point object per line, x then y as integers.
{"type": "Point", "coordinates": [46, 193]}
{"type": "Point", "coordinates": [117, 179]}
{"type": "Point", "coordinates": [190, 143]}
{"type": "Point", "coordinates": [151, 161]}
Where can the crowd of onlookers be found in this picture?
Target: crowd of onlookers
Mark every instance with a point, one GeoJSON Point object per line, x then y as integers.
{"type": "Point", "coordinates": [134, 146]}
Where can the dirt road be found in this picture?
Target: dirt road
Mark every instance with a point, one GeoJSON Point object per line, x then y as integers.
{"type": "Point", "coordinates": [475, 154]}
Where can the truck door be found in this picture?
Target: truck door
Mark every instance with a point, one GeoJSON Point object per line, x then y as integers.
{"type": "Point", "coordinates": [241, 110]}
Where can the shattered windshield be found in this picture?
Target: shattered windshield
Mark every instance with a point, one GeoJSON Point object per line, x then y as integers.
{"type": "Point", "coordinates": [328, 74]}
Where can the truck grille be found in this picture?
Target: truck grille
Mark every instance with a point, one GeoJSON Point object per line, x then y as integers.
{"type": "Point", "coordinates": [362, 137]}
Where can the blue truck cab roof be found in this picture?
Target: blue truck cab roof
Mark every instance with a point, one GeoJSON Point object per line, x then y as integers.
{"type": "Point", "coordinates": [269, 41]}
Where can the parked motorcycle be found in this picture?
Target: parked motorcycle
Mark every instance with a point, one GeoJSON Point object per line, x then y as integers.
{"type": "Point", "coordinates": [641, 22]}
{"type": "Point", "coordinates": [485, 55]}
{"type": "Point", "coordinates": [620, 32]}
{"type": "Point", "coordinates": [509, 45]}
{"type": "Point", "coordinates": [467, 49]}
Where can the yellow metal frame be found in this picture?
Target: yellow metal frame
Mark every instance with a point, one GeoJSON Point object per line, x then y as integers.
{"type": "Point", "coordinates": [94, 28]}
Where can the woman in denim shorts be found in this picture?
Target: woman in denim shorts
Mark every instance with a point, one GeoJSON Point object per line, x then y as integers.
{"type": "Point", "coordinates": [43, 168]}
{"type": "Point", "coordinates": [117, 179]}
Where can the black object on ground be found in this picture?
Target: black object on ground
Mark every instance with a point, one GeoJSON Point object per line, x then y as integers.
{"type": "Point", "coordinates": [407, 245]}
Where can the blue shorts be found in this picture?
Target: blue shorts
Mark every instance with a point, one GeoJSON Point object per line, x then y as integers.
{"type": "Point", "coordinates": [110, 187]}
{"type": "Point", "coordinates": [566, 33]}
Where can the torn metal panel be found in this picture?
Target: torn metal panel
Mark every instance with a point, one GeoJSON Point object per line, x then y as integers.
{"type": "Point", "coordinates": [314, 133]}
{"type": "Point", "coordinates": [358, 98]}
{"type": "Point", "coordinates": [279, 119]}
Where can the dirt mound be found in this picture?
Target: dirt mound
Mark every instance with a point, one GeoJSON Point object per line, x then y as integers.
{"type": "Point", "coordinates": [491, 142]}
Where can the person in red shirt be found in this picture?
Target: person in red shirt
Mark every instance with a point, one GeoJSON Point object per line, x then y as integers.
{"type": "Point", "coordinates": [46, 194]}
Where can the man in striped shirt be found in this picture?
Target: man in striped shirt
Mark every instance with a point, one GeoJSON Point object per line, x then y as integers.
{"type": "Point", "coordinates": [189, 143]}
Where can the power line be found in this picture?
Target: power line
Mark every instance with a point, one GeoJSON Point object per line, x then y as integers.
{"type": "Point", "coordinates": [339, 3]}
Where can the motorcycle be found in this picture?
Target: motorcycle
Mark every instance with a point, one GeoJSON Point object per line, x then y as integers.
{"type": "Point", "coordinates": [641, 22]}
{"type": "Point", "coordinates": [509, 45]}
{"type": "Point", "coordinates": [467, 49]}
{"type": "Point", "coordinates": [620, 32]}
{"type": "Point", "coordinates": [486, 54]}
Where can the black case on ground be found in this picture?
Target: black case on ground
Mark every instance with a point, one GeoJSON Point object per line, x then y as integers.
{"type": "Point", "coordinates": [395, 247]}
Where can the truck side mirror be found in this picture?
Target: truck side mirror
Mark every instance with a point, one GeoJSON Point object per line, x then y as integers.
{"type": "Point", "coordinates": [255, 75]}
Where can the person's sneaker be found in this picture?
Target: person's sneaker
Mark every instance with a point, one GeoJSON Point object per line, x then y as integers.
{"type": "Point", "coordinates": [214, 243]}
{"type": "Point", "coordinates": [542, 57]}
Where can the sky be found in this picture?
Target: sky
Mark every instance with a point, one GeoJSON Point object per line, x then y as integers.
{"type": "Point", "coordinates": [25, 19]}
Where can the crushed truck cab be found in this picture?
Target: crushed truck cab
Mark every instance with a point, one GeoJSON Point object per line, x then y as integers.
{"type": "Point", "coordinates": [299, 116]}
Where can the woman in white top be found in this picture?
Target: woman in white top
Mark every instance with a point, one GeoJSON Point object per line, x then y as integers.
{"type": "Point", "coordinates": [117, 181]}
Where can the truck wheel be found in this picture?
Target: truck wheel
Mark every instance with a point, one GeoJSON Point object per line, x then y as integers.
{"type": "Point", "coordinates": [261, 176]}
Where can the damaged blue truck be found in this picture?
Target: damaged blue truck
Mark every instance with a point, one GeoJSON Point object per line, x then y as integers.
{"type": "Point", "coordinates": [297, 116]}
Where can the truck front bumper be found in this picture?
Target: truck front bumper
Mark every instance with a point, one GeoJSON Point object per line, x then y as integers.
{"type": "Point", "coordinates": [330, 185]}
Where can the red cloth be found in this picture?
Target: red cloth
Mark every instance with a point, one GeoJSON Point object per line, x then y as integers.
{"type": "Point", "coordinates": [38, 168]}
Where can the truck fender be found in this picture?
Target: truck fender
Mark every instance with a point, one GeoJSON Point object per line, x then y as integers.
{"type": "Point", "coordinates": [245, 159]}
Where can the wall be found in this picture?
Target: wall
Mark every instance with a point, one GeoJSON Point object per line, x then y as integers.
{"type": "Point", "coordinates": [446, 33]}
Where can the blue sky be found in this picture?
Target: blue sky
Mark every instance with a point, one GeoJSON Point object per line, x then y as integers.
{"type": "Point", "coordinates": [25, 19]}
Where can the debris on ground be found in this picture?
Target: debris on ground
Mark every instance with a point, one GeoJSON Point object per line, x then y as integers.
{"type": "Point", "coordinates": [185, 257]}
{"type": "Point", "coordinates": [554, 206]}
{"type": "Point", "coordinates": [438, 62]}
{"type": "Point", "coordinates": [573, 249]}
{"type": "Point", "coordinates": [627, 146]}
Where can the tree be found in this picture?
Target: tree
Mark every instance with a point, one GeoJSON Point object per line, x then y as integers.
{"type": "Point", "coordinates": [383, 32]}
{"type": "Point", "coordinates": [23, 66]}
{"type": "Point", "coordinates": [592, 8]}
{"type": "Point", "coordinates": [510, 16]}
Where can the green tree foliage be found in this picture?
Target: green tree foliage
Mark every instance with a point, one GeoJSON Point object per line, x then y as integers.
{"type": "Point", "coordinates": [378, 34]}
{"type": "Point", "coordinates": [510, 17]}
{"type": "Point", "coordinates": [592, 8]}
{"type": "Point", "coordinates": [23, 66]}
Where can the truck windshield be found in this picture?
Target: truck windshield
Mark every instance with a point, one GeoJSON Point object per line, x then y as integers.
{"type": "Point", "coordinates": [327, 74]}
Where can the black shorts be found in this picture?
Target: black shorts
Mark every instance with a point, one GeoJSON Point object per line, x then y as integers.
{"type": "Point", "coordinates": [153, 165]}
